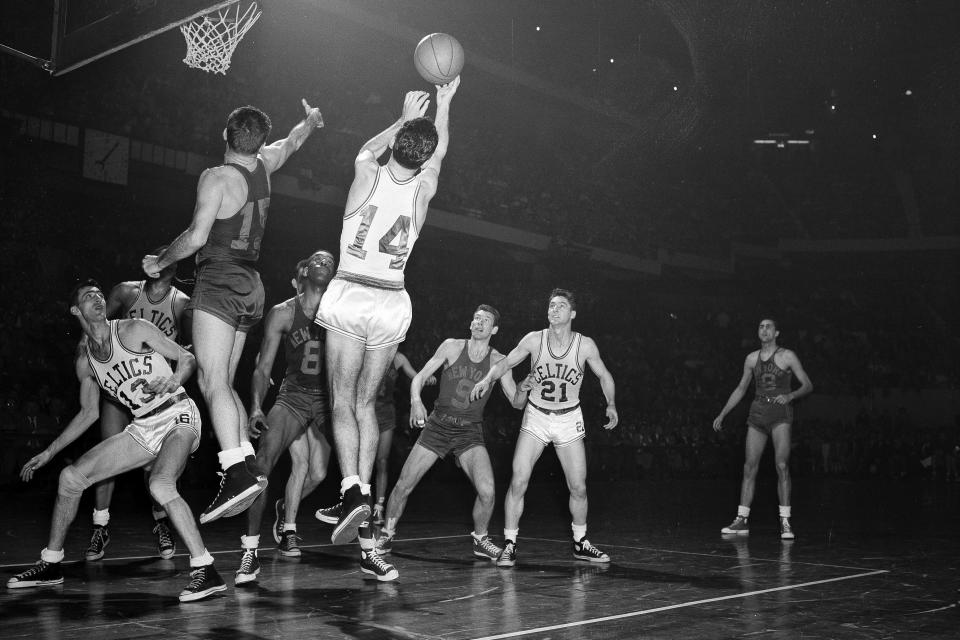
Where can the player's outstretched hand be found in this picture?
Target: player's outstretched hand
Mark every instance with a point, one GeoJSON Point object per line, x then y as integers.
{"type": "Point", "coordinates": [526, 385]}
{"type": "Point", "coordinates": [612, 417]}
{"type": "Point", "coordinates": [150, 266]}
{"type": "Point", "coordinates": [256, 423]}
{"type": "Point", "coordinates": [418, 415]}
{"type": "Point", "coordinates": [162, 385]}
{"type": "Point", "coordinates": [445, 91]}
{"type": "Point", "coordinates": [34, 463]}
{"type": "Point", "coordinates": [415, 104]}
{"type": "Point", "coordinates": [429, 382]}
{"type": "Point", "coordinates": [479, 389]}
{"type": "Point", "coordinates": [313, 115]}
{"type": "Point", "coordinates": [718, 423]}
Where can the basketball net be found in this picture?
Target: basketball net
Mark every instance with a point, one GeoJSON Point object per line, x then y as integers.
{"type": "Point", "coordinates": [211, 40]}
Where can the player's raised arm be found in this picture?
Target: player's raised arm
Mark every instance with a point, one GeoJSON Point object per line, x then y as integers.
{"type": "Point", "coordinates": [445, 93]}
{"type": "Point", "coordinates": [276, 154]}
{"type": "Point", "coordinates": [737, 395]}
{"type": "Point", "coordinates": [418, 413]}
{"type": "Point", "coordinates": [146, 333]}
{"type": "Point", "coordinates": [515, 357]}
{"type": "Point", "coordinates": [210, 190]}
{"type": "Point", "coordinates": [120, 299]}
{"type": "Point", "coordinates": [88, 414]}
{"type": "Point", "coordinates": [415, 104]}
{"type": "Point", "coordinates": [278, 323]}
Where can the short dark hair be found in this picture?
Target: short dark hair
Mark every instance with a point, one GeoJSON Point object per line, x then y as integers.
{"type": "Point", "coordinates": [247, 129]}
{"type": "Point", "coordinates": [489, 309]}
{"type": "Point", "coordinates": [300, 265]}
{"type": "Point", "coordinates": [82, 284]}
{"type": "Point", "coordinates": [564, 293]}
{"type": "Point", "coordinates": [773, 319]}
{"type": "Point", "coordinates": [415, 143]}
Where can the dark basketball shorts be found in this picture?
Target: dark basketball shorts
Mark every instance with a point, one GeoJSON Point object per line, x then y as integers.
{"type": "Point", "coordinates": [765, 415]}
{"type": "Point", "coordinates": [309, 407]}
{"type": "Point", "coordinates": [230, 291]}
{"type": "Point", "coordinates": [443, 434]}
{"type": "Point", "coordinates": [386, 416]}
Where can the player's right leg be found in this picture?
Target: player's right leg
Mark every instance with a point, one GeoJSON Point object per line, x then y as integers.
{"type": "Point", "coordinates": [475, 462]}
{"type": "Point", "coordinates": [174, 453]}
{"type": "Point", "coordinates": [284, 426]}
{"type": "Point", "coordinates": [214, 344]}
{"type": "Point", "coordinates": [309, 459]}
{"type": "Point", "coordinates": [755, 442]}
{"type": "Point", "coordinates": [115, 455]}
{"type": "Point", "coordinates": [525, 456]}
{"type": "Point", "coordinates": [416, 465]}
{"type": "Point", "coordinates": [780, 434]}
{"type": "Point", "coordinates": [113, 418]}
{"type": "Point", "coordinates": [345, 356]}
{"type": "Point", "coordinates": [382, 468]}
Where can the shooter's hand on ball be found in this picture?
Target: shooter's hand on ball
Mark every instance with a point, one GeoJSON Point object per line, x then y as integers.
{"type": "Point", "coordinates": [151, 266]}
{"type": "Point", "coordinates": [313, 115]}
{"type": "Point", "coordinates": [415, 104]}
{"type": "Point", "coordinates": [445, 92]}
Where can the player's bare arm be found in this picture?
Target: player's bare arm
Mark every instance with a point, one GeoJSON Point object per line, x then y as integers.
{"type": "Point", "coordinates": [792, 362]}
{"type": "Point", "coordinates": [121, 298]}
{"type": "Point", "coordinates": [525, 348]}
{"type": "Point", "coordinates": [278, 324]}
{"type": "Point", "coordinates": [402, 363]}
{"type": "Point", "coordinates": [415, 105]}
{"type": "Point", "coordinates": [88, 414]}
{"type": "Point", "coordinates": [446, 353]}
{"type": "Point", "coordinates": [741, 389]}
{"type": "Point", "coordinates": [276, 154]}
{"type": "Point", "coordinates": [431, 170]}
{"type": "Point", "coordinates": [210, 198]}
{"type": "Point", "coordinates": [596, 364]}
{"type": "Point", "coordinates": [142, 332]}
{"type": "Point", "coordinates": [516, 397]}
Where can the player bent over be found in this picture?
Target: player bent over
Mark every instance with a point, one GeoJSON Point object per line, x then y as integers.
{"type": "Point", "coordinates": [127, 359]}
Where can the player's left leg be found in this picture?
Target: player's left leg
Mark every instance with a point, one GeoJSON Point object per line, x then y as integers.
{"type": "Point", "coordinates": [525, 456]}
{"type": "Point", "coordinates": [113, 418]}
{"type": "Point", "coordinates": [383, 474]}
{"type": "Point", "coordinates": [174, 452]}
{"type": "Point", "coordinates": [573, 461]}
{"type": "Point", "coordinates": [475, 463]}
{"type": "Point", "coordinates": [781, 435]}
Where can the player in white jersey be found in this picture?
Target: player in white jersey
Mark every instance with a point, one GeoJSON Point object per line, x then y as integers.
{"type": "Point", "coordinates": [128, 360]}
{"type": "Point", "coordinates": [366, 309]}
{"type": "Point", "coordinates": [157, 301]}
{"type": "Point", "coordinates": [553, 416]}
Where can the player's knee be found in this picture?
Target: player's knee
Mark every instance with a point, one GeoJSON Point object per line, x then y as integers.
{"type": "Point", "coordinates": [163, 488]}
{"type": "Point", "coordinates": [518, 486]}
{"type": "Point", "coordinates": [749, 469]}
{"type": "Point", "coordinates": [73, 482]}
{"type": "Point", "coordinates": [578, 489]}
{"type": "Point", "coordinates": [783, 468]}
{"type": "Point", "coordinates": [486, 492]}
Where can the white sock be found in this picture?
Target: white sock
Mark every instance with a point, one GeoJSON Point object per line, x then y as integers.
{"type": "Point", "coordinates": [250, 542]}
{"type": "Point", "coordinates": [743, 512]}
{"type": "Point", "coordinates": [288, 527]}
{"type": "Point", "coordinates": [510, 534]}
{"type": "Point", "coordinates": [230, 457]}
{"type": "Point", "coordinates": [478, 536]}
{"type": "Point", "coordinates": [247, 449]}
{"type": "Point", "coordinates": [391, 527]}
{"type": "Point", "coordinates": [367, 544]}
{"type": "Point", "coordinates": [101, 517]}
{"type": "Point", "coordinates": [348, 482]}
{"type": "Point", "coordinates": [365, 488]}
{"type": "Point", "coordinates": [202, 560]}
{"type": "Point", "coordinates": [579, 531]}
{"type": "Point", "coordinates": [51, 556]}
{"type": "Point", "coordinates": [784, 511]}
{"type": "Point", "coordinates": [159, 515]}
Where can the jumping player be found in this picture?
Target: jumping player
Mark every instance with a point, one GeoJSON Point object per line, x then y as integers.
{"type": "Point", "coordinates": [297, 416]}
{"type": "Point", "coordinates": [366, 309]}
{"type": "Point", "coordinates": [455, 425]}
{"type": "Point", "coordinates": [227, 227]}
{"type": "Point", "coordinates": [157, 301]}
{"type": "Point", "coordinates": [553, 416]}
{"type": "Point", "coordinates": [771, 416]}
{"type": "Point", "coordinates": [127, 359]}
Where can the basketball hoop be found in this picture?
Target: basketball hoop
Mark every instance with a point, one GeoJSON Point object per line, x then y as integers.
{"type": "Point", "coordinates": [212, 39]}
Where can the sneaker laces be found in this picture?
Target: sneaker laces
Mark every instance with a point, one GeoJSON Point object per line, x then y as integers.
{"type": "Point", "coordinates": [246, 562]}
{"type": "Point", "coordinates": [37, 568]}
{"type": "Point", "coordinates": [291, 538]}
{"type": "Point", "coordinates": [96, 540]}
{"type": "Point", "coordinates": [163, 534]}
{"type": "Point", "coordinates": [197, 577]}
{"type": "Point", "coordinates": [223, 481]}
{"type": "Point", "coordinates": [487, 545]}
{"type": "Point", "coordinates": [589, 548]}
{"type": "Point", "coordinates": [374, 558]}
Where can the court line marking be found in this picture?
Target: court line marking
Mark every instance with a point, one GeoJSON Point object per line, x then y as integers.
{"type": "Point", "coordinates": [710, 555]}
{"type": "Point", "coordinates": [644, 612]}
{"type": "Point", "coordinates": [237, 550]}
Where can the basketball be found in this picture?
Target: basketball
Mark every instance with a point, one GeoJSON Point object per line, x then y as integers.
{"type": "Point", "coordinates": [438, 58]}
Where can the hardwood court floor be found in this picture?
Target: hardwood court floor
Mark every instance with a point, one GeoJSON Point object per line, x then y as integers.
{"type": "Point", "coordinates": [870, 561]}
